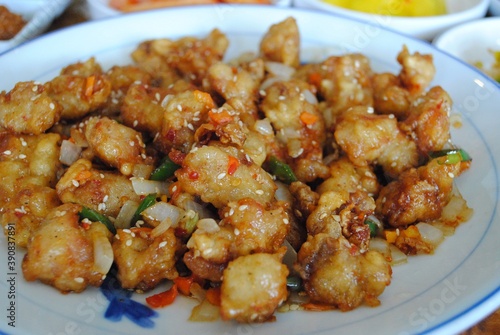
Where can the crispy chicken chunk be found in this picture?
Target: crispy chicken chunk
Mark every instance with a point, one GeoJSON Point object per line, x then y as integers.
{"type": "Point", "coordinates": [211, 173]}
{"type": "Point", "coordinates": [144, 260]}
{"type": "Point", "coordinates": [281, 43]}
{"type": "Point", "coordinates": [336, 273]}
{"type": "Point", "coordinates": [28, 109]}
{"type": "Point", "coordinates": [61, 253]}
{"type": "Point", "coordinates": [253, 287]}
{"type": "Point", "coordinates": [117, 145]}
{"type": "Point", "coordinates": [419, 194]}
{"type": "Point", "coordinates": [103, 191]}
{"type": "Point", "coordinates": [367, 138]}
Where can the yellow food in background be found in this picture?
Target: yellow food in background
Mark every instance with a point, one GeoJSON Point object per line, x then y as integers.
{"type": "Point", "coordinates": [394, 7]}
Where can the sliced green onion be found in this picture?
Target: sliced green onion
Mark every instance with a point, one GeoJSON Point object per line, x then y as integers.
{"type": "Point", "coordinates": [294, 283]}
{"type": "Point", "coordinates": [94, 216]}
{"type": "Point", "coordinates": [453, 156]}
{"type": "Point", "coordinates": [165, 170]}
{"type": "Point", "coordinates": [191, 222]}
{"type": "Point", "coordinates": [148, 201]}
{"type": "Point", "coordinates": [281, 170]}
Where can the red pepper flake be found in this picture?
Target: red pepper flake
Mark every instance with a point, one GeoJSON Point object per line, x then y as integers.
{"type": "Point", "coordinates": [193, 175]}
{"type": "Point", "coordinates": [232, 165]}
{"type": "Point", "coordinates": [164, 298]}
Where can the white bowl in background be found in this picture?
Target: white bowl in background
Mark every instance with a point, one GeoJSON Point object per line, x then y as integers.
{"type": "Point", "coordinates": [98, 9]}
{"type": "Point", "coordinates": [495, 7]}
{"type": "Point", "coordinates": [38, 14]}
{"type": "Point", "coordinates": [458, 11]}
{"type": "Point", "coordinates": [472, 41]}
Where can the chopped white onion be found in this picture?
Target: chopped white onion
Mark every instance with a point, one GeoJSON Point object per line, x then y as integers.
{"type": "Point", "coordinates": [269, 81]}
{"type": "Point", "coordinates": [144, 187]}
{"type": "Point", "coordinates": [430, 234]}
{"type": "Point", "coordinates": [382, 246]}
{"type": "Point", "coordinates": [70, 152]}
{"type": "Point", "coordinates": [290, 256]}
{"type": "Point", "coordinates": [283, 193]}
{"type": "Point", "coordinates": [208, 225]}
{"type": "Point", "coordinates": [103, 254]}
{"type": "Point", "coordinates": [204, 312]}
{"type": "Point", "coordinates": [264, 127]}
{"type": "Point", "coordinates": [279, 69]}
{"type": "Point", "coordinates": [161, 228]}
{"type": "Point", "coordinates": [203, 211]}
{"type": "Point", "coordinates": [124, 217]}
{"type": "Point", "coordinates": [160, 211]}
{"type": "Point", "coordinates": [310, 97]}
{"type": "Point", "coordinates": [398, 257]}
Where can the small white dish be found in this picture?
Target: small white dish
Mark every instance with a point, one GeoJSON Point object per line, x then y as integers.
{"type": "Point", "coordinates": [458, 11]}
{"type": "Point", "coordinates": [38, 14]}
{"type": "Point", "coordinates": [98, 9]}
{"type": "Point", "coordinates": [472, 42]}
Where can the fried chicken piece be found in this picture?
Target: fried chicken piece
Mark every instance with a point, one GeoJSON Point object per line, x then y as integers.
{"type": "Point", "coordinates": [336, 273]}
{"type": "Point", "coordinates": [211, 173]}
{"type": "Point", "coordinates": [281, 43]}
{"type": "Point", "coordinates": [253, 287]}
{"type": "Point", "coordinates": [419, 194]}
{"type": "Point", "coordinates": [28, 109]}
{"type": "Point", "coordinates": [144, 260]}
{"type": "Point", "coordinates": [61, 253]}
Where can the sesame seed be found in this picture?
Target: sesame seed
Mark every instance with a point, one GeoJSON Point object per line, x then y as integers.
{"type": "Point", "coordinates": [157, 96]}
{"type": "Point", "coordinates": [101, 175]}
{"type": "Point", "coordinates": [34, 88]}
{"type": "Point", "coordinates": [131, 143]}
{"type": "Point", "coordinates": [221, 175]}
{"type": "Point", "coordinates": [231, 211]}
{"type": "Point", "coordinates": [7, 152]}
{"type": "Point", "coordinates": [236, 231]}
{"type": "Point", "coordinates": [322, 216]}
{"type": "Point", "coordinates": [127, 231]}
{"type": "Point", "coordinates": [162, 244]}
{"type": "Point", "coordinates": [243, 207]}
{"type": "Point", "coordinates": [451, 175]}
{"type": "Point", "coordinates": [52, 106]}
{"type": "Point", "coordinates": [128, 243]}
{"type": "Point", "coordinates": [259, 192]}
{"type": "Point", "coordinates": [22, 156]}
{"type": "Point", "coordinates": [135, 123]}
{"type": "Point", "coordinates": [79, 280]}
{"type": "Point", "coordinates": [179, 108]}
{"type": "Point", "coordinates": [75, 183]}
{"type": "Point", "coordinates": [190, 126]}
{"type": "Point", "coordinates": [106, 198]}
{"type": "Point", "coordinates": [285, 221]}
{"type": "Point", "coordinates": [281, 97]}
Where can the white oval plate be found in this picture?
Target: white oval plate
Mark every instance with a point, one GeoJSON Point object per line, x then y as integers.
{"type": "Point", "coordinates": [443, 293]}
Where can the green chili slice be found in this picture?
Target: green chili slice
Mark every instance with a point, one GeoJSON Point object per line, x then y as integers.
{"type": "Point", "coordinates": [95, 216]}
{"type": "Point", "coordinates": [165, 170]}
{"type": "Point", "coordinates": [281, 170]}
{"type": "Point", "coordinates": [453, 156]}
{"type": "Point", "coordinates": [374, 227]}
{"type": "Point", "coordinates": [148, 201]}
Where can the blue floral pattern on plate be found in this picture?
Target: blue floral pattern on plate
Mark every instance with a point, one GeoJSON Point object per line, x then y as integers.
{"type": "Point", "coordinates": [121, 304]}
